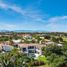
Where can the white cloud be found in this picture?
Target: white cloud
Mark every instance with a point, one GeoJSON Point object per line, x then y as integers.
{"type": "Point", "coordinates": [56, 27]}
{"type": "Point", "coordinates": [12, 7]}
{"type": "Point", "coordinates": [52, 21]}
{"type": "Point", "coordinates": [55, 24]}
{"type": "Point", "coordinates": [4, 26]}
{"type": "Point", "coordinates": [4, 6]}
{"type": "Point", "coordinates": [58, 18]}
{"type": "Point", "coordinates": [63, 17]}
{"type": "Point", "coordinates": [26, 13]}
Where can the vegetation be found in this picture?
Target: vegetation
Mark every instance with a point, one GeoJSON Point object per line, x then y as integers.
{"type": "Point", "coordinates": [56, 56]}
{"type": "Point", "coordinates": [42, 58]}
{"type": "Point", "coordinates": [14, 59]}
{"type": "Point", "coordinates": [53, 55]}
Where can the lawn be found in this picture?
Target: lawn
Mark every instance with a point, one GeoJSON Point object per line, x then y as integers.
{"type": "Point", "coordinates": [65, 39]}
{"type": "Point", "coordinates": [42, 58]}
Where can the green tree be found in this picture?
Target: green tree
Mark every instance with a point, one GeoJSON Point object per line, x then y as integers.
{"type": "Point", "coordinates": [56, 56]}
{"type": "Point", "coordinates": [14, 59]}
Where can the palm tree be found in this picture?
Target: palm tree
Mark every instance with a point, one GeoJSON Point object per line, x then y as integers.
{"type": "Point", "coordinates": [14, 59]}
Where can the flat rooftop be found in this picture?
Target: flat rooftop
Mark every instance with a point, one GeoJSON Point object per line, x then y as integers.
{"type": "Point", "coordinates": [36, 45]}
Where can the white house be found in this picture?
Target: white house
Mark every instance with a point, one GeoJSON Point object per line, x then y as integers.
{"type": "Point", "coordinates": [16, 41]}
{"type": "Point", "coordinates": [60, 45]}
{"type": "Point", "coordinates": [32, 50]}
{"type": "Point", "coordinates": [7, 48]}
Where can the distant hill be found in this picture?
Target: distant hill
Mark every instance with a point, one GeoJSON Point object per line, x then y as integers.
{"type": "Point", "coordinates": [4, 31]}
{"type": "Point", "coordinates": [23, 31]}
{"type": "Point", "coordinates": [29, 31]}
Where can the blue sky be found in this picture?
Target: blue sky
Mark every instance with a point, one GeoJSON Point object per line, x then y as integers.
{"type": "Point", "coordinates": [47, 15]}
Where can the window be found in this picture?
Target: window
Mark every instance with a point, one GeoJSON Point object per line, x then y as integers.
{"type": "Point", "coordinates": [24, 49]}
{"type": "Point", "coordinates": [31, 51]}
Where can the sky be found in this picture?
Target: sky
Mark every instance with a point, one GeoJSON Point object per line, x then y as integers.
{"type": "Point", "coordinates": [46, 15]}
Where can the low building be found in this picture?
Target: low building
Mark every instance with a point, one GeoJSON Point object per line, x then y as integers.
{"type": "Point", "coordinates": [16, 41]}
{"type": "Point", "coordinates": [32, 50]}
{"type": "Point", "coordinates": [7, 48]}
{"type": "Point", "coordinates": [60, 45]}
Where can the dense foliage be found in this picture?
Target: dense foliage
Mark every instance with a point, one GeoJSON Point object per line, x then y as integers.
{"type": "Point", "coordinates": [56, 55]}
{"type": "Point", "coordinates": [14, 59]}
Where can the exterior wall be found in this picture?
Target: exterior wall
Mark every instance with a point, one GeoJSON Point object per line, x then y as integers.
{"type": "Point", "coordinates": [32, 51]}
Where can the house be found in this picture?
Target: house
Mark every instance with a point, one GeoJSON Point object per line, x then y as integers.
{"type": "Point", "coordinates": [16, 41]}
{"type": "Point", "coordinates": [32, 50]}
{"type": "Point", "coordinates": [27, 36]}
{"type": "Point", "coordinates": [47, 42]}
{"type": "Point", "coordinates": [60, 45]}
{"type": "Point", "coordinates": [7, 48]}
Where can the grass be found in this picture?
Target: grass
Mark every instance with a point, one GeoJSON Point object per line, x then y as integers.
{"type": "Point", "coordinates": [65, 38]}
{"type": "Point", "coordinates": [42, 58]}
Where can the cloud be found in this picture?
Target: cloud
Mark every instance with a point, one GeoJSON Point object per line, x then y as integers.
{"type": "Point", "coordinates": [63, 17]}
{"type": "Point", "coordinates": [58, 23]}
{"type": "Point", "coordinates": [4, 6]}
{"type": "Point", "coordinates": [58, 18]}
{"type": "Point", "coordinates": [26, 13]}
{"type": "Point", "coordinates": [4, 26]}
{"type": "Point", "coordinates": [14, 8]}
{"type": "Point", "coordinates": [56, 27]}
{"type": "Point", "coordinates": [53, 22]}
